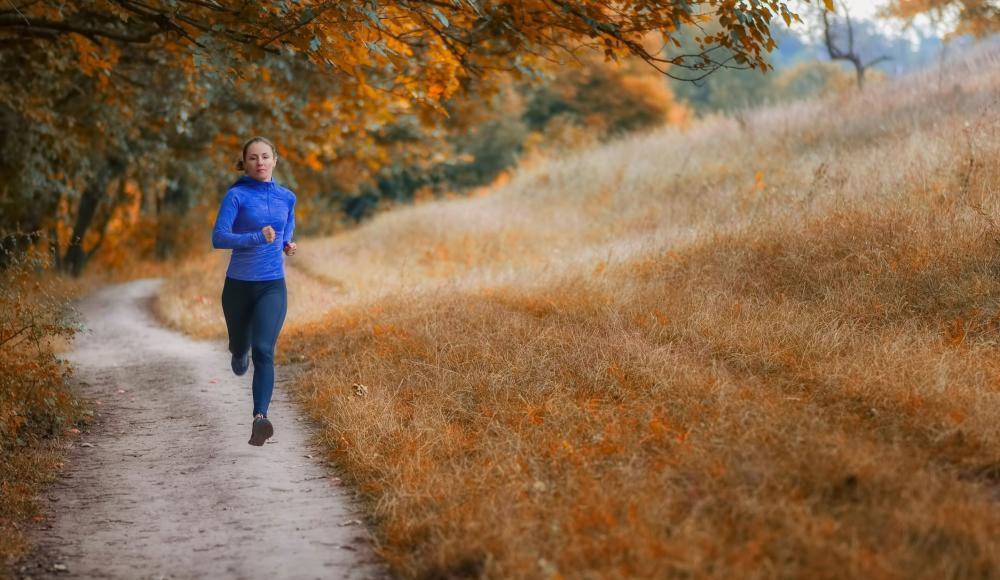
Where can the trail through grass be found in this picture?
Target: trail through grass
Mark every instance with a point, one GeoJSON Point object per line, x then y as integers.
{"type": "Point", "coordinates": [767, 346]}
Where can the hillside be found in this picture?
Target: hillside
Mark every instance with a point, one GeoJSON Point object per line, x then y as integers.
{"type": "Point", "coordinates": [764, 346]}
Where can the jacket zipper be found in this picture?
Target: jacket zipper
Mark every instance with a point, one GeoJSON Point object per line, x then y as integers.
{"type": "Point", "coordinates": [269, 220]}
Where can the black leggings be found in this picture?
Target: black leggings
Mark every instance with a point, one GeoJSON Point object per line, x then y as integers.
{"type": "Point", "coordinates": [254, 314]}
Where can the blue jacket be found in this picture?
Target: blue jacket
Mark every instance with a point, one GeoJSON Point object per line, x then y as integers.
{"type": "Point", "coordinates": [248, 206]}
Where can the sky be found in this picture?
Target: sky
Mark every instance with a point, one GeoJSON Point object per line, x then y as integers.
{"type": "Point", "coordinates": [867, 9]}
{"type": "Point", "coordinates": [863, 8]}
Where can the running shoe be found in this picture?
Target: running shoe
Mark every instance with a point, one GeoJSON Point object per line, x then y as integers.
{"type": "Point", "coordinates": [261, 430]}
{"type": "Point", "coordinates": [241, 363]}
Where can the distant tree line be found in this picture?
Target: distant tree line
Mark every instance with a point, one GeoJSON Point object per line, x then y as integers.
{"type": "Point", "coordinates": [803, 66]}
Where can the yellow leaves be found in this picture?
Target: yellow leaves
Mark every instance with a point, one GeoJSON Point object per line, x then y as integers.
{"type": "Point", "coordinates": [829, 5]}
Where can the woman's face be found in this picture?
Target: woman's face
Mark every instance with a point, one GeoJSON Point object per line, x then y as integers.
{"type": "Point", "coordinates": [259, 161]}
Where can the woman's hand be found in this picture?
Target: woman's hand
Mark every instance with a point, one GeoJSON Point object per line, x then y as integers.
{"type": "Point", "coordinates": [268, 232]}
{"type": "Point", "coordinates": [290, 248]}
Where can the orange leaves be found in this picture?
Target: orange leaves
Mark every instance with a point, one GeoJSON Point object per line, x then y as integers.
{"type": "Point", "coordinates": [436, 91]}
{"type": "Point", "coordinates": [84, 49]}
{"type": "Point", "coordinates": [976, 17]}
{"type": "Point", "coordinates": [313, 162]}
{"type": "Point", "coordinates": [93, 58]}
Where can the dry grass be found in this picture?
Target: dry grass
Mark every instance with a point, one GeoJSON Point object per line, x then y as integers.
{"type": "Point", "coordinates": [22, 474]}
{"type": "Point", "coordinates": [191, 296]}
{"type": "Point", "coordinates": [36, 405]}
{"type": "Point", "coordinates": [766, 347]}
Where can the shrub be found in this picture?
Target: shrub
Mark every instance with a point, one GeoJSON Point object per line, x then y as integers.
{"type": "Point", "coordinates": [34, 320]}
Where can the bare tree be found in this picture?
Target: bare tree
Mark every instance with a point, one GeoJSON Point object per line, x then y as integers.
{"type": "Point", "coordinates": [850, 54]}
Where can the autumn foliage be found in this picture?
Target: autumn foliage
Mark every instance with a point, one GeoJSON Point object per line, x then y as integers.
{"type": "Point", "coordinates": [35, 402]}
{"type": "Point", "coordinates": [34, 320]}
{"type": "Point", "coordinates": [156, 96]}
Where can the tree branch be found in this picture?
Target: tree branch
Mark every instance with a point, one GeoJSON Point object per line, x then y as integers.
{"type": "Point", "coordinates": [42, 24]}
{"type": "Point", "coordinates": [316, 13]}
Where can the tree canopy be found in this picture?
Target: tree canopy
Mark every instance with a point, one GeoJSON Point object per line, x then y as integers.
{"type": "Point", "coordinates": [417, 52]}
{"type": "Point", "coordinates": [100, 94]}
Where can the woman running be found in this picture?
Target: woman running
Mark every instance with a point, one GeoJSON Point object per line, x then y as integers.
{"type": "Point", "coordinates": [256, 220]}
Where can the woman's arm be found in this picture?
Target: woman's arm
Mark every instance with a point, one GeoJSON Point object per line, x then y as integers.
{"type": "Point", "coordinates": [286, 236]}
{"type": "Point", "coordinates": [223, 237]}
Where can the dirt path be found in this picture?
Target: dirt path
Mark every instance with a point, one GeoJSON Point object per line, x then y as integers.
{"type": "Point", "coordinates": [164, 485]}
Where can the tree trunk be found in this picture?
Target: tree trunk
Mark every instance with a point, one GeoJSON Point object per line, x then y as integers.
{"type": "Point", "coordinates": [75, 258]}
{"type": "Point", "coordinates": [57, 262]}
{"type": "Point", "coordinates": [170, 214]}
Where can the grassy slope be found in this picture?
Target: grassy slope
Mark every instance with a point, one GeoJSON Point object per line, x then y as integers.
{"type": "Point", "coordinates": [769, 343]}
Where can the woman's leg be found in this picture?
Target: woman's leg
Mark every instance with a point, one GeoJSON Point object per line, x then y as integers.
{"type": "Point", "coordinates": [237, 306]}
{"type": "Point", "coordinates": [268, 317]}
